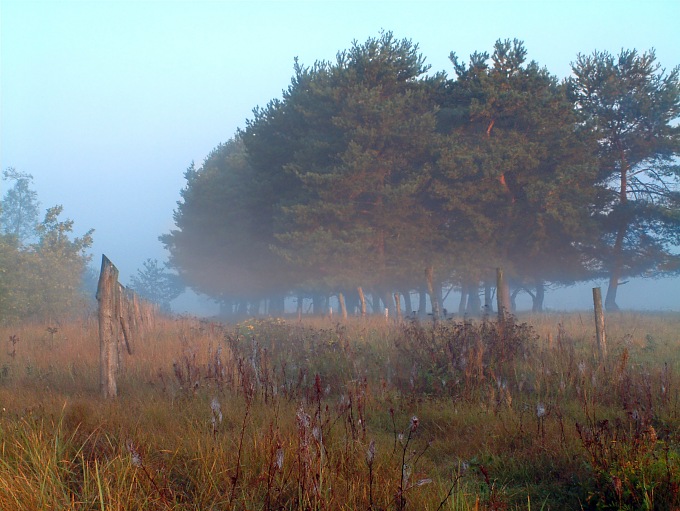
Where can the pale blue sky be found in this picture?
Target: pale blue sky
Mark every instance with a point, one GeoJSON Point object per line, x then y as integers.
{"type": "Point", "coordinates": [107, 103]}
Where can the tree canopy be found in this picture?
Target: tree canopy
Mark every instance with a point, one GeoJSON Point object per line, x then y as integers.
{"type": "Point", "coordinates": [373, 172]}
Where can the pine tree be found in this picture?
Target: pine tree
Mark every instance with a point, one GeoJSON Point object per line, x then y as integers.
{"type": "Point", "coordinates": [631, 105]}
{"type": "Point", "coordinates": [514, 181]}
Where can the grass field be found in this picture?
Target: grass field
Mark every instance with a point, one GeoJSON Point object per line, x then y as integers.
{"type": "Point", "coordinates": [276, 415]}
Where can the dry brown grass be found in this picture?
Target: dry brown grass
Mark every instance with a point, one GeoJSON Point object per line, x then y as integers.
{"type": "Point", "coordinates": [302, 402]}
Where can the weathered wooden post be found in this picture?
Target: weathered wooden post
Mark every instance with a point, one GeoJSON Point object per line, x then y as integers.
{"type": "Point", "coordinates": [397, 301]}
{"type": "Point", "coordinates": [599, 324]}
{"type": "Point", "coordinates": [130, 318]}
{"type": "Point", "coordinates": [125, 332]}
{"type": "Point", "coordinates": [362, 299]}
{"type": "Point", "coordinates": [502, 295]}
{"type": "Point", "coordinates": [107, 296]}
{"type": "Point", "coordinates": [343, 307]}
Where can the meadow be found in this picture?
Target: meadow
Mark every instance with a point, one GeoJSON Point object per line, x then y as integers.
{"type": "Point", "coordinates": [320, 414]}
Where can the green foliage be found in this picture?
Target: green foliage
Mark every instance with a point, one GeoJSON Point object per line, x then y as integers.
{"type": "Point", "coordinates": [41, 280]}
{"type": "Point", "coordinates": [19, 206]}
{"type": "Point", "coordinates": [60, 264]}
{"type": "Point", "coordinates": [632, 467]}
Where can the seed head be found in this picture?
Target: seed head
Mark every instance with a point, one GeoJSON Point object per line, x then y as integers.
{"type": "Point", "coordinates": [135, 457]}
{"type": "Point", "coordinates": [279, 458]}
{"type": "Point", "coordinates": [216, 411]}
{"type": "Point", "coordinates": [540, 410]}
{"type": "Point", "coordinates": [370, 454]}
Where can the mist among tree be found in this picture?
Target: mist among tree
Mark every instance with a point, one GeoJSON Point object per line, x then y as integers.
{"type": "Point", "coordinates": [154, 283]}
{"type": "Point", "coordinates": [373, 173]}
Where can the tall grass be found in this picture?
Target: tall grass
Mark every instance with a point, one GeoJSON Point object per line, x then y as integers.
{"type": "Point", "coordinates": [274, 414]}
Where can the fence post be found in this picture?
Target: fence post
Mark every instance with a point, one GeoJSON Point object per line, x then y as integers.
{"type": "Point", "coordinates": [362, 299]}
{"type": "Point", "coordinates": [599, 324]}
{"type": "Point", "coordinates": [343, 307]}
{"type": "Point", "coordinates": [397, 301]}
{"type": "Point", "coordinates": [107, 296]}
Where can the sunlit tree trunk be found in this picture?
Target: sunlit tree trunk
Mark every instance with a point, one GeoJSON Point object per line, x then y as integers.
{"type": "Point", "coordinates": [502, 295]}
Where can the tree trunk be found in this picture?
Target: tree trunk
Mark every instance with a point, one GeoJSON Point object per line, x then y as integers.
{"type": "Point", "coordinates": [462, 305]}
{"type": "Point", "coordinates": [242, 308]}
{"type": "Point", "coordinates": [422, 302]}
{"type": "Point", "coordinates": [474, 304]}
{"type": "Point", "coordinates": [615, 273]}
{"type": "Point", "coordinates": [388, 301]}
{"type": "Point", "coordinates": [300, 306]}
{"type": "Point", "coordinates": [277, 305]}
{"type": "Point", "coordinates": [408, 305]}
{"type": "Point", "coordinates": [599, 324]}
{"type": "Point", "coordinates": [513, 299]}
{"type": "Point", "coordinates": [376, 307]}
{"type": "Point", "coordinates": [539, 297]}
{"type": "Point", "coordinates": [319, 304]}
{"type": "Point", "coordinates": [502, 295]}
{"type": "Point", "coordinates": [397, 303]}
{"type": "Point", "coordinates": [254, 308]}
{"type": "Point", "coordinates": [352, 303]}
{"type": "Point", "coordinates": [488, 302]}
{"type": "Point", "coordinates": [434, 302]}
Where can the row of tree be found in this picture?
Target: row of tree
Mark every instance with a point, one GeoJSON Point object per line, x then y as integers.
{"type": "Point", "coordinates": [373, 173]}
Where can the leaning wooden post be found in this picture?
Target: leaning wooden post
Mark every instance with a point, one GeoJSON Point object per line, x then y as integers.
{"type": "Point", "coordinates": [599, 324]}
{"type": "Point", "coordinates": [343, 307]}
{"type": "Point", "coordinates": [125, 330]}
{"type": "Point", "coordinates": [362, 300]}
{"type": "Point", "coordinates": [107, 291]}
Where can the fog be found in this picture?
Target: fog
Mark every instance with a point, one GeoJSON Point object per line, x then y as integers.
{"type": "Point", "coordinates": [106, 104]}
